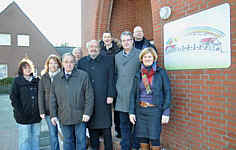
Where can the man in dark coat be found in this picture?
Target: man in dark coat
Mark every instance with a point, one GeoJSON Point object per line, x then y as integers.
{"type": "Point", "coordinates": [101, 70]}
{"type": "Point", "coordinates": [110, 47]}
{"type": "Point", "coordinates": [140, 42]}
{"type": "Point", "coordinates": [72, 101]}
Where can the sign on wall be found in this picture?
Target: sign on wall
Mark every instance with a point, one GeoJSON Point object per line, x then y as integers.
{"type": "Point", "coordinates": [199, 41]}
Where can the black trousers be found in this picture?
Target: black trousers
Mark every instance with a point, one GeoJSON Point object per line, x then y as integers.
{"type": "Point", "coordinates": [116, 119]}
{"type": "Point", "coordinates": [94, 138]}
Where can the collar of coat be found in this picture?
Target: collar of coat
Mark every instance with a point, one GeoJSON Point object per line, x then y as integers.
{"type": "Point", "coordinates": [97, 59]}
{"type": "Point", "coordinates": [23, 81]}
{"type": "Point", "coordinates": [74, 73]}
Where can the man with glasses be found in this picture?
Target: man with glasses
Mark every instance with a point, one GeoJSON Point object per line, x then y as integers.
{"type": "Point", "coordinates": [72, 102]}
{"type": "Point", "coordinates": [126, 66]}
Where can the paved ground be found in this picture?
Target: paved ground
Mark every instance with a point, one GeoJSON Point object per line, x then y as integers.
{"type": "Point", "coordinates": [8, 131]}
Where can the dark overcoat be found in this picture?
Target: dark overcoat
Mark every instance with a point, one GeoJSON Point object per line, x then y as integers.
{"type": "Point", "coordinates": [24, 99]}
{"type": "Point", "coordinates": [101, 74]}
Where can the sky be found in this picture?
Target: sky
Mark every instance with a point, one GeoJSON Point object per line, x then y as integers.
{"type": "Point", "coordinates": [58, 20]}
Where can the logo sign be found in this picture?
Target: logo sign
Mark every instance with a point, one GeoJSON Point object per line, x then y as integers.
{"type": "Point", "coordinates": [199, 41]}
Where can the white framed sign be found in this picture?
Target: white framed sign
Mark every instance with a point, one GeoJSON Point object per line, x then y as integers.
{"type": "Point", "coordinates": [199, 41]}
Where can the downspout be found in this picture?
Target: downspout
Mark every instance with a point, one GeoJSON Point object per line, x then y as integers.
{"type": "Point", "coordinates": [109, 16]}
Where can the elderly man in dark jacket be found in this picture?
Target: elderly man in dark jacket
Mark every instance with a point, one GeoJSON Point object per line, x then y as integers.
{"type": "Point", "coordinates": [72, 102]}
{"type": "Point", "coordinates": [140, 42]}
{"type": "Point", "coordinates": [111, 47]}
{"type": "Point", "coordinates": [101, 70]}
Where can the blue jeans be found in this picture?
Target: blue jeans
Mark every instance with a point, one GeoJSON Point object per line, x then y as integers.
{"type": "Point", "coordinates": [128, 137]}
{"type": "Point", "coordinates": [53, 132]}
{"type": "Point", "coordinates": [69, 142]}
{"type": "Point", "coordinates": [28, 136]}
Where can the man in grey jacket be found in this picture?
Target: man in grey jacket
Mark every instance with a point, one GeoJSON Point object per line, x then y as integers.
{"type": "Point", "coordinates": [126, 65]}
{"type": "Point", "coordinates": [72, 102]}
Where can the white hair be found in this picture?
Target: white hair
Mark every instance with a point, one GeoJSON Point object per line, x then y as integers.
{"type": "Point", "coordinates": [90, 42]}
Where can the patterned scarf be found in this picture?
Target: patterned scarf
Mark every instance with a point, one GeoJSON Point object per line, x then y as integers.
{"type": "Point", "coordinates": [147, 77]}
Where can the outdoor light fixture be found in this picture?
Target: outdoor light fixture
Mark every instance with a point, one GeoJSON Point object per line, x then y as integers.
{"type": "Point", "coordinates": [165, 12]}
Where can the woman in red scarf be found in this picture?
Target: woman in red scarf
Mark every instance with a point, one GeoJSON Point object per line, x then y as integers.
{"type": "Point", "coordinates": [150, 100]}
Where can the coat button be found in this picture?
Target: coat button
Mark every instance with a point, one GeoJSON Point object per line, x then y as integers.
{"type": "Point", "coordinates": [32, 97]}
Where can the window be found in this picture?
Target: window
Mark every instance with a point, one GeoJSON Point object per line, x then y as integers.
{"type": "Point", "coordinates": [5, 39]}
{"type": "Point", "coordinates": [23, 40]}
{"type": "Point", "coordinates": [3, 71]}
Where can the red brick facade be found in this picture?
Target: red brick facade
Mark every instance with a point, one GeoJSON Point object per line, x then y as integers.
{"type": "Point", "coordinates": [204, 101]}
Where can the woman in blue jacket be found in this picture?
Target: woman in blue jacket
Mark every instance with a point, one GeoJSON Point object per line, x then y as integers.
{"type": "Point", "coordinates": [150, 100]}
{"type": "Point", "coordinates": [24, 99]}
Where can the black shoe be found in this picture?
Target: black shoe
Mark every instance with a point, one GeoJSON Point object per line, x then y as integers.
{"type": "Point", "coordinates": [118, 135]}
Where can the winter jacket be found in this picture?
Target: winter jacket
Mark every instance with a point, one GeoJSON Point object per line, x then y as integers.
{"type": "Point", "coordinates": [44, 94]}
{"type": "Point", "coordinates": [116, 48]}
{"type": "Point", "coordinates": [24, 99]}
{"type": "Point", "coordinates": [71, 98]}
{"type": "Point", "coordinates": [160, 88]}
{"type": "Point", "coordinates": [144, 43]}
{"type": "Point", "coordinates": [101, 73]}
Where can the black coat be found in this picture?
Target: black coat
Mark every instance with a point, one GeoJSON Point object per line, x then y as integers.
{"type": "Point", "coordinates": [161, 91]}
{"type": "Point", "coordinates": [111, 51]}
{"type": "Point", "coordinates": [24, 99]}
{"type": "Point", "coordinates": [101, 71]}
{"type": "Point", "coordinates": [143, 44]}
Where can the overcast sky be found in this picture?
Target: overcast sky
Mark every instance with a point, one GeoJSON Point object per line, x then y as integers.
{"type": "Point", "coordinates": [58, 20]}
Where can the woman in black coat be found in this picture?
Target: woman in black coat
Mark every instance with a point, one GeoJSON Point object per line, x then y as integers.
{"type": "Point", "coordinates": [24, 99]}
{"type": "Point", "coordinates": [150, 100]}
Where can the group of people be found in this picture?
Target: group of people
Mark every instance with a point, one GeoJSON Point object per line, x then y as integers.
{"type": "Point", "coordinates": [75, 93]}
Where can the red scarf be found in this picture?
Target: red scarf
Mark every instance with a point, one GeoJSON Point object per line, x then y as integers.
{"type": "Point", "coordinates": [147, 77]}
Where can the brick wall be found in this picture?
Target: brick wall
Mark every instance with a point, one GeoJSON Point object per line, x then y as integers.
{"type": "Point", "coordinates": [127, 14]}
{"type": "Point", "coordinates": [204, 101]}
{"type": "Point", "coordinates": [89, 11]}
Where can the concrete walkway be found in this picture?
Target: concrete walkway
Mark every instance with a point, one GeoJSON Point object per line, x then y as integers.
{"type": "Point", "coordinates": [9, 133]}
{"type": "Point", "coordinates": [8, 130]}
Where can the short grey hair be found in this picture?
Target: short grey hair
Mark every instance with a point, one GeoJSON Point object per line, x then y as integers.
{"type": "Point", "coordinates": [126, 33]}
{"type": "Point", "coordinates": [90, 42]}
{"type": "Point", "coordinates": [68, 54]}
{"type": "Point", "coordinates": [77, 48]}
{"type": "Point", "coordinates": [138, 27]}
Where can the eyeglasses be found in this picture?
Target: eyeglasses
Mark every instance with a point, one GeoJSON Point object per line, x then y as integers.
{"type": "Point", "coordinates": [128, 40]}
{"type": "Point", "coordinates": [68, 62]}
